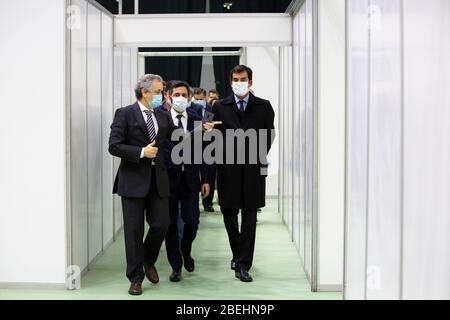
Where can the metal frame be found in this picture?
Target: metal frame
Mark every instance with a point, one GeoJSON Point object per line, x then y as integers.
{"type": "Point", "coordinates": [100, 7]}
{"type": "Point", "coordinates": [67, 124]}
{"type": "Point", "coordinates": [315, 203]}
{"type": "Point", "coordinates": [192, 54]}
{"type": "Point", "coordinates": [344, 269]}
{"type": "Point", "coordinates": [294, 7]}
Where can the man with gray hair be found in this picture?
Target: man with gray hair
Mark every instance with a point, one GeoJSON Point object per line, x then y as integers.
{"type": "Point", "coordinates": [138, 132]}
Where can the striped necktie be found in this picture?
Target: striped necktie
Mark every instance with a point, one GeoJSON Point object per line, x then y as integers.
{"type": "Point", "coordinates": [150, 126]}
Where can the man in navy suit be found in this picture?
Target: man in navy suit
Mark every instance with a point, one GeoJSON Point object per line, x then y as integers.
{"type": "Point", "coordinates": [200, 99]}
{"type": "Point", "coordinates": [186, 180]}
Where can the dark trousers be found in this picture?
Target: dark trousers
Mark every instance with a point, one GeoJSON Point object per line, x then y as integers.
{"type": "Point", "coordinates": [208, 201]}
{"type": "Point", "coordinates": [187, 202]}
{"type": "Point", "coordinates": [242, 242]}
{"type": "Point", "coordinates": [156, 213]}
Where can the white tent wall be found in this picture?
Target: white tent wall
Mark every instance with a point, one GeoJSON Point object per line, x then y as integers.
{"type": "Point", "coordinates": [312, 153]}
{"type": "Point", "coordinates": [32, 140]}
{"type": "Point", "coordinates": [92, 216]}
{"type": "Point", "coordinates": [398, 150]}
{"type": "Point", "coordinates": [331, 144]}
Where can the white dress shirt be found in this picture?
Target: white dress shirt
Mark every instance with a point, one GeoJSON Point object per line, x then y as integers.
{"type": "Point", "coordinates": [245, 100]}
{"type": "Point", "coordinates": [144, 114]}
{"type": "Point", "coordinates": [174, 115]}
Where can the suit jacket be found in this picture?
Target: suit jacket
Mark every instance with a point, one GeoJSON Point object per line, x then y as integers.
{"type": "Point", "coordinates": [196, 174]}
{"type": "Point", "coordinates": [244, 185]}
{"type": "Point", "coordinates": [128, 136]}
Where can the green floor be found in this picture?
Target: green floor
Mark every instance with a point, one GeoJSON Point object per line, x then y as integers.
{"type": "Point", "coordinates": [277, 272]}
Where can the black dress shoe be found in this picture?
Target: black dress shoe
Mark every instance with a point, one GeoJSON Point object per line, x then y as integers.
{"type": "Point", "coordinates": [189, 264]}
{"type": "Point", "coordinates": [135, 289]}
{"type": "Point", "coordinates": [233, 265]}
{"type": "Point", "coordinates": [244, 276]}
{"type": "Point", "coordinates": [175, 276]}
{"type": "Point", "coordinates": [208, 209]}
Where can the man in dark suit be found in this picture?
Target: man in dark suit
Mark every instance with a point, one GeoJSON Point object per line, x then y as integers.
{"type": "Point", "coordinates": [186, 180]}
{"type": "Point", "coordinates": [137, 133]}
{"type": "Point", "coordinates": [200, 99]}
{"type": "Point", "coordinates": [241, 185]}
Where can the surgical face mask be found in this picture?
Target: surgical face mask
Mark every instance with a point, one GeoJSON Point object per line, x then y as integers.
{"type": "Point", "coordinates": [240, 88]}
{"type": "Point", "coordinates": [200, 102]}
{"type": "Point", "coordinates": [179, 104]}
{"type": "Point", "coordinates": [157, 100]}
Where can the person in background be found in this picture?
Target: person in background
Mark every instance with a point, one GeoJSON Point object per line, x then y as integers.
{"type": "Point", "coordinates": [186, 180]}
{"type": "Point", "coordinates": [200, 99]}
{"type": "Point", "coordinates": [213, 96]}
{"type": "Point", "coordinates": [197, 108]}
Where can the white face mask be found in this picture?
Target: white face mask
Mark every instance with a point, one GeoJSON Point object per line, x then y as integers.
{"type": "Point", "coordinates": [240, 88]}
{"type": "Point", "coordinates": [179, 104]}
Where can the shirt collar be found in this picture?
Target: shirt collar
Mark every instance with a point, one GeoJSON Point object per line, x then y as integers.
{"type": "Point", "coordinates": [144, 108]}
{"type": "Point", "coordinates": [175, 114]}
{"type": "Point", "coordinates": [237, 99]}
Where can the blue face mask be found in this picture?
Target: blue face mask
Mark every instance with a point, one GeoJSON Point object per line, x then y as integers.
{"type": "Point", "coordinates": [200, 102]}
{"type": "Point", "coordinates": [157, 100]}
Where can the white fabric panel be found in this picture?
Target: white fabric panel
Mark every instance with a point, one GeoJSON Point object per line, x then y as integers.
{"type": "Point", "coordinates": [126, 77]}
{"type": "Point", "coordinates": [79, 160]}
{"type": "Point", "coordinates": [357, 146]}
{"type": "Point", "coordinates": [331, 143]}
{"type": "Point", "coordinates": [289, 138]}
{"type": "Point", "coordinates": [426, 252]}
{"type": "Point", "coordinates": [309, 139]}
{"type": "Point", "coordinates": [296, 133]}
{"type": "Point", "coordinates": [94, 131]}
{"type": "Point", "coordinates": [117, 104]}
{"type": "Point", "coordinates": [107, 117]}
{"type": "Point", "coordinates": [302, 108]}
{"type": "Point", "coordinates": [32, 140]}
{"type": "Point", "coordinates": [384, 206]}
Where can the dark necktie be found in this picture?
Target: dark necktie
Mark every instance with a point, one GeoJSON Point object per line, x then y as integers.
{"type": "Point", "coordinates": [180, 124]}
{"type": "Point", "coordinates": [241, 106]}
{"type": "Point", "coordinates": [150, 126]}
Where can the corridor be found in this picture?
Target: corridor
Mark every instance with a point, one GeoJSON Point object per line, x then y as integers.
{"type": "Point", "coordinates": [277, 270]}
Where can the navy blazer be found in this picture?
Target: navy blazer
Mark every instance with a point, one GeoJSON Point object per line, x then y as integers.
{"type": "Point", "coordinates": [196, 174]}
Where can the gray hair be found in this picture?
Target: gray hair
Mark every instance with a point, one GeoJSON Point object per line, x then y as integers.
{"type": "Point", "coordinates": [145, 82]}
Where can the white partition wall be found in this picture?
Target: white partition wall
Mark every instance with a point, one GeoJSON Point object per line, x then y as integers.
{"type": "Point", "coordinates": [313, 140]}
{"type": "Point", "coordinates": [91, 108]}
{"type": "Point", "coordinates": [398, 150]}
{"type": "Point", "coordinates": [32, 140]}
{"type": "Point", "coordinates": [331, 144]}
{"type": "Point", "coordinates": [426, 218]}
{"type": "Point", "coordinates": [125, 67]}
{"type": "Point", "coordinates": [78, 133]}
{"type": "Point", "coordinates": [296, 135]}
{"type": "Point", "coordinates": [94, 131]}
{"type": "Point", "coordinates": [107, 117]}
{"type": "Point", "coordinates": [117, 100]}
